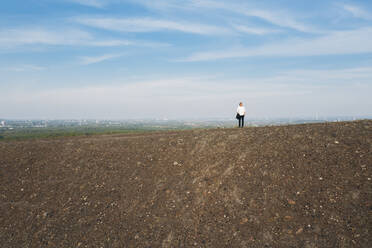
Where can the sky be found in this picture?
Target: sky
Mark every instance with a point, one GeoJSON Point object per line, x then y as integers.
{"type": "Point", "coordinates": [125, 59]}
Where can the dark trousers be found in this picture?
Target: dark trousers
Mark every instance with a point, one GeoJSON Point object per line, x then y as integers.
{"type": "Point", "coordinates": [241, 120]}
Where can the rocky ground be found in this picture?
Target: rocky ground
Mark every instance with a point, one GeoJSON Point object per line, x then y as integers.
{"type": "Point", "coordinates": [283, 186]}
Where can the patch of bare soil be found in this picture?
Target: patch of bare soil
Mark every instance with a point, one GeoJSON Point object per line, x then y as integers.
{"type": "Point", "coordinates": [283, 186]}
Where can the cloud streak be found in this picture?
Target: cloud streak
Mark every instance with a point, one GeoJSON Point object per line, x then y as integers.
{"type": "Point", "coordinates": [357, 12]}
{"type": "Point", "coordinates": [255, 30]}
{"type": "Point", "coordinates": [338, 42]}
{"type": "Point", "coordinates": [87, 60]}
{"type": "Point", "coordinates": [23, 36]}
{"type": "Point", "coordinates": [140, 25]}
{"type": "Point", "coordinates": [24, 68]}
{"type": "Point", "coordinates": [279, 18]}
{"type": "Point", "coordinates": [91, 3]}
{"type": "Point", "coordinates": [66, 37]}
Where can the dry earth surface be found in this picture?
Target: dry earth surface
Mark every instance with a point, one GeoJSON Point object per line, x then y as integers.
{"type": "Point", "coordinates": [282, 186]}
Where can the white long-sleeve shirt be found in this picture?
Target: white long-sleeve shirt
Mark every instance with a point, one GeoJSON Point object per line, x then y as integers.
{"type": "Point", "coordinates": [241, 110]}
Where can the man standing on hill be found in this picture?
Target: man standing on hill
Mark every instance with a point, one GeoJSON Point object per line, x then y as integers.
{"type": "Point", "coordinates": [240, 114]}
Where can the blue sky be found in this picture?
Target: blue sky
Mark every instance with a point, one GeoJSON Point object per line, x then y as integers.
{"type": "Point", "coordinates": [120, 59]}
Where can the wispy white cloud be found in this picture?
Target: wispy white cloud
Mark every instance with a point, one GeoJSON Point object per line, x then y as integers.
{"type": "Point", "coordinates": [65, 37]}
{"type": "Point", "coordinates": [24, 68]}
{"type": "Point", "coordinates": [280, 18]}
{"type": "Point", "coordinates": [255, 30]}
{"type": "Point", "coordinates": [163, 5]}
{"type": "Point", "coordinates": [150, 25]}
{"type": "Point", "coordinates": [324, 78]}
{"type": "Point", "coordinates": [340, 42]}
{"type": "Point", "coordinates": [27, 36]}
{"type": "Point", "coordinates": [87, 60]}
{"type": "Point", "coordinates": [113, 43]}
{"type": "Point", "coordinates": [357, 11]}
{"type": "Point", "coordinates": [92, 3]}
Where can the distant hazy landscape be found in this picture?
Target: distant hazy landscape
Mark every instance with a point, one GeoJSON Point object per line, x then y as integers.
{"type": "Point", "coordinates": [25, 129]}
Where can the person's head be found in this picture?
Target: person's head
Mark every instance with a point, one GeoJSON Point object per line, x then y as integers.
{"type": "Point", "coordinates": [240, 104]}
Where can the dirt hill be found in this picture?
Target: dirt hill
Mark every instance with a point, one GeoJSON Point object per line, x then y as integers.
{"type": "Point", "coordinates": [282, 186]}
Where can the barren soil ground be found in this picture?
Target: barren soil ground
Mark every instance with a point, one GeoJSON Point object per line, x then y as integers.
{"type": "Point", "coordinates": [284, 186]}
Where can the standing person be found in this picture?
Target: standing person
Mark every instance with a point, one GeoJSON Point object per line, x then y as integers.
{"type": "Point", "coordinates": [240, 114]}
